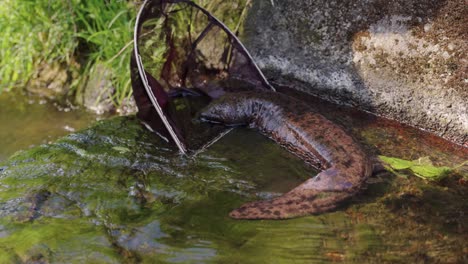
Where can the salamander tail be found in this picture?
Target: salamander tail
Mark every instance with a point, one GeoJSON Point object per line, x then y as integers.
{"type": "Point", "coordinates": [290, 205]}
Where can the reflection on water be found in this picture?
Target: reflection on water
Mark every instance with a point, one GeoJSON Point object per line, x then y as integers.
{"type": "Point", "coordinates": [25, 122]}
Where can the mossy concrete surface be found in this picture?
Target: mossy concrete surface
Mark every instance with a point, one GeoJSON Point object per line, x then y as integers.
{"type": "Point", "coordinates": [403, 59]}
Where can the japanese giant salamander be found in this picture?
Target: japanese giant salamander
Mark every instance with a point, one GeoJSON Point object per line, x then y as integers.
{"type": "Point", "coordinates": [315, 139]}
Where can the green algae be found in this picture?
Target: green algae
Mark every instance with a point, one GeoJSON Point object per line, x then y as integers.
{"type": "Point", "coordinates": [58, 240]}
{"type": "Point", "coordinates": [422, 167]}
{"type": "Point", "coordinates": [133, 198]}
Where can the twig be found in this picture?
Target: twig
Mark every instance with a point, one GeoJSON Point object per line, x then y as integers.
{"type": "Point", "coordinates": [126, 46]}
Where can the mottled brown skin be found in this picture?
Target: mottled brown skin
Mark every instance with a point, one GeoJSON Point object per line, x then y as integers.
{"type": "Point", "coordinates": [321, 143]}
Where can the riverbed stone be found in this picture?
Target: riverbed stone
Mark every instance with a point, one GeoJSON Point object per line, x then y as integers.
{"type": "Point", "coordinates": [402, 59]}
{"type": "Point", "coordinates": [51, 80]}
{"type": "Point", "coordinates": [98, 91]}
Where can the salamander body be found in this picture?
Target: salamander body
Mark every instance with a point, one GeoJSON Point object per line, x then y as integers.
{"type": "Point", "coordinates": [315, 139]}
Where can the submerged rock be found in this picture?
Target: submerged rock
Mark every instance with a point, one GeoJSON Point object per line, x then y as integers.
{"type": "Point", "coordinates": [402, 59]}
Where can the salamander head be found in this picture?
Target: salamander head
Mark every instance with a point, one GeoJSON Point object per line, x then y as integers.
{"type": "Point", "coordinates": [228, 110]}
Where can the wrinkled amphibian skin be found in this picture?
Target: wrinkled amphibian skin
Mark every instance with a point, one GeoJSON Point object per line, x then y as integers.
{"type": "Point", "coordinates": [323, 144]}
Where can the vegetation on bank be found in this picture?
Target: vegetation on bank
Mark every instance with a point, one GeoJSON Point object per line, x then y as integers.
{"type": "Point", "coordinates": [76, 38]}
{"type": "Point", "coordinates": [76, 34]}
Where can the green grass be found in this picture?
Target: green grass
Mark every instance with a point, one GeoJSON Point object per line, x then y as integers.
{"type": "Point", "coordinates": [107, 32]}
{"type": "Point", "coordinates": [89, 32]}
{"type": "Point", "coordinates": [31, 33]}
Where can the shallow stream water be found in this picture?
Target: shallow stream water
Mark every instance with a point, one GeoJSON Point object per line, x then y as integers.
{"type": "Point", "coordinates": [115, 193]}
{"type": "Point", "coordinates": [29, 121]}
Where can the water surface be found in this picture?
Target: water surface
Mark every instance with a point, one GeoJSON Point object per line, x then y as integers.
{"type": "Point", "coordinates": [115, 193]}
{"type": "Point", "coordinates": [28, 121]}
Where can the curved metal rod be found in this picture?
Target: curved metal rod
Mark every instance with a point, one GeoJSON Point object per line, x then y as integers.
{"type": "Point", "coordinates": [150, 93]}
{"type": "Point", "coordinates": [152, 97]}
{"type": "Point", "coordinates": [232, 35]}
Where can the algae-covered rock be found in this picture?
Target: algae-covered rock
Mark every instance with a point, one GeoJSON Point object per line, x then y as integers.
{"type": "Point", "coordinates": [112, 184]}
{"type": "Point", "coordinates": [404, 59]}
